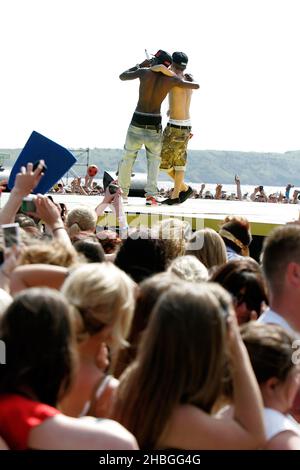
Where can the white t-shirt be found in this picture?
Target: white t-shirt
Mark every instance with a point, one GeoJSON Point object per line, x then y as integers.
{"type": "Point", "coordinates": [269, 316]}
{"type": "Point", "coordinates": [276, 422]}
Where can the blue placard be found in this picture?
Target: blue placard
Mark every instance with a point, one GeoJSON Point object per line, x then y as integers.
{"type": "Point", "coordinates": [57, 158]}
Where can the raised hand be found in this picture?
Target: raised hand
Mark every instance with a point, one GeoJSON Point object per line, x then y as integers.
{"type": "Point", "coordinates": [48, 212]}
{"type": "Point", "coordinates": [188, 77]}
{"type": "Point", "coordinates": [28, 179]}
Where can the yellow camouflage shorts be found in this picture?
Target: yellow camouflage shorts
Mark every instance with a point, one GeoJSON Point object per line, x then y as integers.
{"type": "Point", "coordinates": [174, 145]}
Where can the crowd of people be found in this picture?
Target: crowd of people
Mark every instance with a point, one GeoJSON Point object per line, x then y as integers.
{"type": "Point", "coordinates": [287, 195]}
{"type": "Point", "coordinates": [176, 339]}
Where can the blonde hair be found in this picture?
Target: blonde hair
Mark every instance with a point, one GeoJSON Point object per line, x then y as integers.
{"type": "Point", "coordinates": [100, 294]}
{"type": "Point", "coordinates": [209, 246]}
{"type": "Point", "coordinates": [174, 233]}
{"type": "Point", "coordinates": [189, 268]}
{"type": "Point", "coordinates": [81, 219]}
{"type": "Point", "coordinates": [53, 252]}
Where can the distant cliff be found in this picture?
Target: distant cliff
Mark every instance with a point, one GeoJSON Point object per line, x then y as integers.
{"type": "Point", "coordinates": [210, 166]}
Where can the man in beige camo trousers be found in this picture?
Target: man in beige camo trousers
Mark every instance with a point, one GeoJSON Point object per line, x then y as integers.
{"type": "Point", "coordinates": [177, 132]}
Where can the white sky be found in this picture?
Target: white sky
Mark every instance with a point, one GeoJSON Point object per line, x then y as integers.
{"type": "Point", "coordinates": [61, 59]}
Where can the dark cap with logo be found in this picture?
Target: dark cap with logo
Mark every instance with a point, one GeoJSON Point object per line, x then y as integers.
{"type": "Point", "coordinates": [162, 57]}
{"type": "Point", "coordinates": [180, 58]}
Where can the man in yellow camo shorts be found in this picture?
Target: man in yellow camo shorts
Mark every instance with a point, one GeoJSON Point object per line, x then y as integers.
{"type": "Point", "coordinates": [178, 130]}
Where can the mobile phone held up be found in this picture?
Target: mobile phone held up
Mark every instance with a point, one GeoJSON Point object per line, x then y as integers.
{"type": "Point", "coordinates": [28, 204]}
{"type": "Point", "coordinates": [113, 188]}
{"type": "Point", "coordinates": [11, 234]}
{"type": "Point", "coordinates": [43, 169]}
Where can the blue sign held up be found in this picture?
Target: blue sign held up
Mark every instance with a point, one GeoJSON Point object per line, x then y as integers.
{"type": "Point", "coordinates": [57, 158]}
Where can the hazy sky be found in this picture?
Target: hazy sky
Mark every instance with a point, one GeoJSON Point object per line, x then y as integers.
{"type": "Point", "coordinates": [61, 59]}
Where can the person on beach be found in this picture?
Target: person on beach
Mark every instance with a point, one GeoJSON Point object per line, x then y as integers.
{"type": "Point", "coordinates": [178, 131]}
{"type": "Point", "coordinates": [145, 127]}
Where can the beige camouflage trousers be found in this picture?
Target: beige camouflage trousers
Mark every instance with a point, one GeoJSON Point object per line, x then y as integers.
{"type": "Point", "coordinates": [174, 148]}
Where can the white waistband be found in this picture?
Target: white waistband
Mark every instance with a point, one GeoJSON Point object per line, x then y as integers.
{"type": "Point", "coordinates": [146, 114]}
{"type": "Point", "coordinates": [180, 122]}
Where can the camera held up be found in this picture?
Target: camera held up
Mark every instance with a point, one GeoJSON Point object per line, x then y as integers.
{"type": "Point", "coordinates": [113, 187]}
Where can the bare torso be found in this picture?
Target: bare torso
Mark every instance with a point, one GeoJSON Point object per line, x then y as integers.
{"type": "Point", "coordinates": [154, 87]}
{"type": "Point", "coordinates": [179, 102]}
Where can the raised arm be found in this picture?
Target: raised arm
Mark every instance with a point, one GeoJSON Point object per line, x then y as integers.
{"type": "Point", "coordinates": [245, 429]}
{"type": "Point", "coordinates": [117, 206]}
{"type": "Point", "coordinates": [37, 275]}
{"type": "Point", "coordinates": [135, 72]}
{"type": "Point", "coordinates": [253, 195]}
{"type": "Point", "coordinates": [218, 193]}
{"type": "Point", "coordinates": [107, 199]}
{"type": "Point", "coordinates": [163, 69]}
{"type": "Point", "coordinates": [50, 214]}
{"type": "Point", "coordinates": [248, 405]}
{"type": "Point", "coordinates": [25, 182]}
{"type": "Point", "coordinates": [238, 187]}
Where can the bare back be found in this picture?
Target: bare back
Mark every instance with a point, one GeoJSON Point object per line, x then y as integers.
{"type": "Point", "coordinates": [154, 87]}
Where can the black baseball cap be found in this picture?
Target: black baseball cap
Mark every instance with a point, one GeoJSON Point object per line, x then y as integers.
{"type": "Point", "coordinates": [180, 58]}
{"type": "Point", "coordinates": [163, 57]}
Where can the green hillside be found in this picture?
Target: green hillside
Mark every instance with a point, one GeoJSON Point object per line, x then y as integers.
{"type": "Point", "coordinates": [208, 166]}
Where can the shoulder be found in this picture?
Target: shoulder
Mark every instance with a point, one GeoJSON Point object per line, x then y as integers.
{"type": "Point", "coordinates": [132, 74]}
{"type": "Point", "coordinates": [286, 440]}
{"type": "Point", "coordinates": [277, 423]}
{"type": "Point", "coordinates": [186, 429]}
{"type": "Point", "coordinates": [64, 433]}
{"type": "Point", "coordinates": [191, 428]}
{"type": "Point", "coordinates": [269, 316]}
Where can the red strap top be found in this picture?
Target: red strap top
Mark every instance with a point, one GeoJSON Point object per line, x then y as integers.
{"type": "Point", "coordinates": [18, 415]}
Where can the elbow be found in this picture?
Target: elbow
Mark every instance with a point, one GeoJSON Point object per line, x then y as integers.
{"type": "Point", "coordinates": [260, 440]}
{"type": "Point", "coordinates": [122, 77]}
{"type": "Point", "coordinates": [257, 437]}
{"type": "Point", "coordinates": [254, 441]}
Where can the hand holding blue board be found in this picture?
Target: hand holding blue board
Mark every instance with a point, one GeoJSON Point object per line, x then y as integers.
{"type": "Point", "coordinates": [57, 158]}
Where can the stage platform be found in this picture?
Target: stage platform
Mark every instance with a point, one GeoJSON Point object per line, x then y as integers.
{"type": "Point", "coordinates": [200, 213]}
